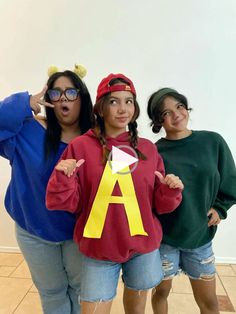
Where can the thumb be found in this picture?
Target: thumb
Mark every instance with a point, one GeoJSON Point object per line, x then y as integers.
{"type": "Point", "coordinates": [79, 163]}
{"type": "Point", "coordinates": [44, 90]}
{"type": "Point", "coordinates": [209, 212]}
{"type": "Point", "coordinates": [160, 176]}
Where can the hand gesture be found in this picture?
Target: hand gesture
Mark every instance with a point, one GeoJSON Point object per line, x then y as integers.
{"type": "Point", "coordinates": [214, 218]}
{"type": "Point", "coordinates": [171, 180]}
{"type": "Point", "coordinates": [68, 166]}
{"type": "Point", "coordinates": [37, 100]}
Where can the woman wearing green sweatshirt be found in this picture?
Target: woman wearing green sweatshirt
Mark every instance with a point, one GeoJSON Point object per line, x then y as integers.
{"type": "Point", "coordinates": [205, 164]}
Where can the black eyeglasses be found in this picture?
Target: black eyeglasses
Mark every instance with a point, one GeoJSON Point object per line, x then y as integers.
{"type": "Point", "coordinates": [70, 93]}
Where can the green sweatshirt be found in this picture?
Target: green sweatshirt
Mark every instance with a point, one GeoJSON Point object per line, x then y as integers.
{"type": "Point", "coordinates": [205, 164]}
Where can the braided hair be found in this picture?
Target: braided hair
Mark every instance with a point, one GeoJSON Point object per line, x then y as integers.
{"type": "Point", "coordinates": [99, 126]}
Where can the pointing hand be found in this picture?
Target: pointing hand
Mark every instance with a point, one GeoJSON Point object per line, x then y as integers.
{"type": "Point", "coordinates": [37, 100]}
{"type": "Point", "coordinates": [68, 166]}
{"type": "Point", "coordinates": [171, 180]}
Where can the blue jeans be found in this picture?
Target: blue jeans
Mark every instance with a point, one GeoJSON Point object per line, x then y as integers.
{"type": "Point", "coordinates": [99, 279]}
{"type": "Point", "coordinates": [55, 270]}
{"type": "Point", "coordinates": [195, 263]}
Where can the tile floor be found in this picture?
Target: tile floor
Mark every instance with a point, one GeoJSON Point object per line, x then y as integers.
{"type": "Point", "coordinates": [18, 294]}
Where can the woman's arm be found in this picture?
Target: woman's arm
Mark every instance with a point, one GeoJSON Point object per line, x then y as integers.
{"type": "Point", "coordinates": [14, 110]}
{"type": "Point", "coordinates": [226, 196]}
{"type": "Point", "coordinates": [63, 189]}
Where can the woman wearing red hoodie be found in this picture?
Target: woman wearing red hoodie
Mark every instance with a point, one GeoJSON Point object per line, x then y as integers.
{"type": "Point", "coordinates": [116, 227]}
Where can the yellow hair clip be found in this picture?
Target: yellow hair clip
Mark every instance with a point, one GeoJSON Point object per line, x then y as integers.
{"type": "Point", "coordinates": [52, 69]}
{"type": "Point", "coordinates": [79, 69]}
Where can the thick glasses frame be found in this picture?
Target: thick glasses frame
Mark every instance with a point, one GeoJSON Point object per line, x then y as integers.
{"type": "Point", "coordinates": [55, 94]}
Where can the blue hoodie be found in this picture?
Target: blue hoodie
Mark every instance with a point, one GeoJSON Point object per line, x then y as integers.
{"type": "Point", "coordinates": [22, 143]}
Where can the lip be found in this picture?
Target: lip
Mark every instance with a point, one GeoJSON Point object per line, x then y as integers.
{"type": "Point", "coordinates": [122, 119]}
{"type": "Point", "coordinates": [178, 121]}
{"type": "Point", "coordinates": [64, 110]}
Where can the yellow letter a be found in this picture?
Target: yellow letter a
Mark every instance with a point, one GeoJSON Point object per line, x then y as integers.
{"type": "Point", "coordinates": [97, 217]}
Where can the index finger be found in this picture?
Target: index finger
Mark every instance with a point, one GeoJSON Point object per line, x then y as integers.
{"type": "Point", "coordinates": [42, 93]}
{"type": "Point", "coordinates": [45, 103]}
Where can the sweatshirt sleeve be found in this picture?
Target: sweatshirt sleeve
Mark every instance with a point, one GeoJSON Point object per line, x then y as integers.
{"type": "Point", "coordinates": [14, 110]}
{"type": "Point", "coordinates": [226, 196]}
{"type": "Point", "coordinates": [166, 199]}
{"type": "Point", "coordinates": [63, 193]}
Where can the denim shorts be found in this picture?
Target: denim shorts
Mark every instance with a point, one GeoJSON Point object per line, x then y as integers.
{"type": "Point", "coordinates": [99, 278]}
{"type": "Point", "coordinates": [196, 263]}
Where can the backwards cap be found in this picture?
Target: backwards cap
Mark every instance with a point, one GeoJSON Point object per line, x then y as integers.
{"type": "Point", "coordinates": [105, 88]}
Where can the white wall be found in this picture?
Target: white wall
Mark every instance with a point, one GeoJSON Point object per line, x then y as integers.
{"type": "Point", "coordinates": [186, 44]}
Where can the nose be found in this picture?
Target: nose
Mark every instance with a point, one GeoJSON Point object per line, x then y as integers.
{"type": "Point", "coordinates": [63, 97]}
{"type": "Point", "coordinates": [175, 114]}
{"type": "Point", "coordinates": [122, 106]}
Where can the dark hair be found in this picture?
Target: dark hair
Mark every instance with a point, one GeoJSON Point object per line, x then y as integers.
{"type": "Point", "coordinates": [99, 126]}
{"type": "Point", "coordinates": [155, 107]}
{"type": "Point", "coordinates": [53, 132]}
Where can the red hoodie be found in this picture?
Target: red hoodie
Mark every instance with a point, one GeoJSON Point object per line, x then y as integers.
{"type": "Point", "coordinates": [116, 216]}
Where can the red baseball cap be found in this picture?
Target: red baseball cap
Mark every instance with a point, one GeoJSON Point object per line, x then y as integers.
{"type": "Point", "coordinates": [105, 88]}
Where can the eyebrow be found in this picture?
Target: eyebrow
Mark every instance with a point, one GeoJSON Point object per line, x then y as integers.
{"type": "Point", "coordinates": [129, 97]}
{"type": "Point", "coordinates": [179, 102]}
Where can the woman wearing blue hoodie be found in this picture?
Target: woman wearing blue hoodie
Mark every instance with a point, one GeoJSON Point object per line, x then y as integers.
{"type": "Point", "coordinates": [33, 145]}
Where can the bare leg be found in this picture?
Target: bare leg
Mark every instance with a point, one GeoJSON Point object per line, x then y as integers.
{"type": "Point", "coordinates": [96, 307]}
{"type": "Point", "coordinates": [159, 297]}
{"type": "Point", "coordinates": [205, 295]}
{"type": "Point", "coordinates": [134, 301]}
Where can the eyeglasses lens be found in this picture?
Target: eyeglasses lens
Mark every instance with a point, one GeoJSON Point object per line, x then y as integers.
{"type": "Point", "coordinates": [54, 94]}
{"type": "Point", "coordinates": [70, 93]}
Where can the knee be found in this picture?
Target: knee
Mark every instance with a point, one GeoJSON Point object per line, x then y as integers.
{"type": "Point", "coordinates": [56, 291]}
{"type": "Point", "coordinates": [161, 291]}
{"type": "Point", "coordinates": [134, 301]}
{"type": "Point", "coordinates": [212, 305]}
{"type": "Point", "coordinates": [209, 303]}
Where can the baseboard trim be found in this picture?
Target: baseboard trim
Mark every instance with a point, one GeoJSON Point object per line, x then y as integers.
{"type": "Point", "coordinates": [9, 249]}
{"type": "Point", "coordinates": [225, 260]}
